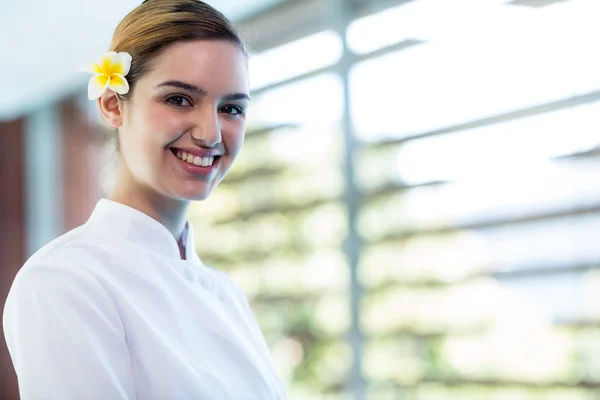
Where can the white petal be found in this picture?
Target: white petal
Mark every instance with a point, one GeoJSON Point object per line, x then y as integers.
{"type": "Point", "coordinates": [118, 83]}
{"type": "Point", "coordinates": [90, 67]}
{"type": "Point", "coordinates": [96, 87]}
{"type": "Point", "coordinates": [105, 57]}
{"type": "Point", "coordinates": [121, 63]}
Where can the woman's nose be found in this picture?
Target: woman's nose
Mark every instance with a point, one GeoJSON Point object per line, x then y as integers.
{"type": "Point", "coordinates": [207, 131]}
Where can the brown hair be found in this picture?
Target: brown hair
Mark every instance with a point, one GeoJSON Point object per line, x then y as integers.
{"type": "Point", "coordinates": [155, 24]}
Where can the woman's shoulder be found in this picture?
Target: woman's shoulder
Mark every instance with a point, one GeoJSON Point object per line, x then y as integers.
{"type": "Point", "coordinates": [65, 269]}
{"type": "Point", "coordinates": [67, 254]}
{"type": "Point", "coordinates": [73, 247]}
{"type": "Point", "coordinates": [55, 271]}
{"type": "Point", "coordinates": [63, 242]}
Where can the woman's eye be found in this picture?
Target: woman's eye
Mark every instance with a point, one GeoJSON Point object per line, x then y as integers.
{"type": "Point", "coordinates": [232, 110]}
{"type": "Point", "coordinates": [179, 101]}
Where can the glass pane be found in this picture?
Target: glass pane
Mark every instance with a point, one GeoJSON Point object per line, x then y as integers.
{"type": "Point", "coordinates": [295, 58]}
{"type": "Point", "coordinates": [479, 263]}
{"type": "Point", "coordinates": [457, 76]}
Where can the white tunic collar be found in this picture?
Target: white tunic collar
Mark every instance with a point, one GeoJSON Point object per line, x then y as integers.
{"type": "Point", "coordinates": [119, 220]}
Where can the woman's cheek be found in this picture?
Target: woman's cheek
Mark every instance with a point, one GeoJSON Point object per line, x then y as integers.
{"type": "Point", "coordinates": [235, 141]}
{"type": "Point", "coordinates": [165, 124]}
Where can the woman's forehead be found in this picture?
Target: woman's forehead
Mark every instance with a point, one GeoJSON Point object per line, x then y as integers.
{"type": "Point", "coordinates": [210, 64]}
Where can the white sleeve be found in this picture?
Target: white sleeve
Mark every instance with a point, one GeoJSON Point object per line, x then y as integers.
{"type": "Point", "coordinates": [65, 336]}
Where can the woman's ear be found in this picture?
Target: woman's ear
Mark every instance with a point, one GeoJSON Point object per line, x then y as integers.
{"type": "Point", "coordinates": [111, 109]}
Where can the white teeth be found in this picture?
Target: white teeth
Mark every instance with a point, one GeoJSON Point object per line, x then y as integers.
{"type": "Point", "coordinates": [199, 161]}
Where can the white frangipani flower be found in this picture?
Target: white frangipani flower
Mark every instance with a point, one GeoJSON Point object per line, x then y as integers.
{"type": "Point", "coordinates": [109, 71]}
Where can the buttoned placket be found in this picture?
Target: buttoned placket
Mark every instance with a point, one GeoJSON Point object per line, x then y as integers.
{"type": "Point", "coordinates": [194, 271]}
{"type": "Point", "coordinates": [206, 282]}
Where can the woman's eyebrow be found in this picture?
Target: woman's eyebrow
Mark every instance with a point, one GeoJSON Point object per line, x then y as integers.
{"type": "Point", "coordinates": [185, 86]}
{"type": "Point", "coordinates": [195, 89]}
{"type": "Point", "coordinates": [236, 96]}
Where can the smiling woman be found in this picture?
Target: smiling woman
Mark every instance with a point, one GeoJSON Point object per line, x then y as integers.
{"type": "Point", "coordinates": [122, 307]}
{"type": "Point", "coordinates": [192, 99]}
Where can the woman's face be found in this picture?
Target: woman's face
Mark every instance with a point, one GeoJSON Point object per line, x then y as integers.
{"type": "Point", "coordinates": [185, 123]}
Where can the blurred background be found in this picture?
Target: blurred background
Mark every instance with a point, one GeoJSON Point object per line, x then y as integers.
{"type": "Point", "coordinates": [416, 209]}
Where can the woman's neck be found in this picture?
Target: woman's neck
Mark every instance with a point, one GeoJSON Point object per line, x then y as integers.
{"type": "Point", "coordinates": [169, 212]}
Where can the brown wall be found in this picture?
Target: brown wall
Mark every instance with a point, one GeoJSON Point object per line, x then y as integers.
{"type": "Point", "coordinates": [12, 231]}
{"type": "Point", "coordinates": [82, 148]}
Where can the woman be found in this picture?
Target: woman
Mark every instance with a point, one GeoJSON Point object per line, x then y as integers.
{"type": "Point", "coordinates": [122, 307]}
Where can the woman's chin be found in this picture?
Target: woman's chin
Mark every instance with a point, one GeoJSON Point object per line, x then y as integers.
{"type": "Point", "coordinates": [204, 196]}
{"type": "Point", "coordinates": [193, 194]}
{"type": "Point", "coordinates": [199, 196]}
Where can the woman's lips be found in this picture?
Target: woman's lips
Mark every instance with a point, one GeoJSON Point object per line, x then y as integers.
{"type": "Point", "coordinates": [194, 164]}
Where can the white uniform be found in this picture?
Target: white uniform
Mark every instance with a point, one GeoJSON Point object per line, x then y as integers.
{"type": "Point", "coordinates": [109, 311]}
